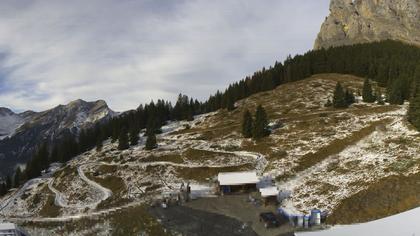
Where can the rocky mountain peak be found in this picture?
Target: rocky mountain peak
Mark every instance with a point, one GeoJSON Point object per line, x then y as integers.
{"type": "Point", "coordinates": [360, 21]}
{"type": "Point", "coordinates": [21, 133]}
{"type": "Point", "coordinates": [75, 114]}
{"type": "Point", "coordinates": [6, 111]}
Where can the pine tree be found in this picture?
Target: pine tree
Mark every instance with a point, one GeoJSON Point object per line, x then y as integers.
{"type": "Point", "coordinates": [260, 127]}
{"type": "Point", "coordinates": [151, 141]}
{"type": "Point", "coordinates": [17, 177]}
{"type": "Point", "coordinates": [339, 98]}
{"type": "Point", "coordinates": [189, 114]}
{"type": "Point", "coordinates": [39, 162]}
{"type": "Point", "coordinates": [154, 126]}
{"type": "Point", "coordinates": [367, 92]}
{"type": "Point", "coordinates": [134, 136]}
{"type": "Point", "coordinates": [230, 104]}
{"type": "Point", "coordinates": [99, 145]}
{"type": "Point", "coordinates": [115, 133]}
{"type": "Point", "coordinates": [8, 182]}
{"type": "Point", "coordinates": [395, 93]}
{"type": "Point", "coordinates": [350, 99]}
{"type": "Point", "coordinates": [123, 140]}
{"type": "Point", "coordinates": [413, 113]}
{"type": "Point", "coordinates": [54, 155]}
{"type": "Point", "coordinates": [379, 98]}
{"type": "Point", "coordinates": [3, 189]}
{"type": "Point", "coordinates": [247, 124]}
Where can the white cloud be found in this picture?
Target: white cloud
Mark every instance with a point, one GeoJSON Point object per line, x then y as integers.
{"type": "Point", "coordinates": [128, 52]}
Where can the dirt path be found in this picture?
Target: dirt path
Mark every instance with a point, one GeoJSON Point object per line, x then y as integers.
{"type": "Point", "coordinates": [106, 193]}
{"type": "Point", "coordinates": [61, 200]}
{"type": "Point", "coordinates": [76, 216]}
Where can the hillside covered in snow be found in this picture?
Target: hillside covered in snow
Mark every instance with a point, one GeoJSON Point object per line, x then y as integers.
{"type": "Point", "coordinates": [328, 158]}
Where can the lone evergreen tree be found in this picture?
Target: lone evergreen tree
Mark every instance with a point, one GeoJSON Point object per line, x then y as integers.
{"type": "Point", "coordinates": [123, 140]}
{"type": "Point", "coordinates": [339, 98]}
{"type": "Point", "coordinates": [151, 141]}
{"type": "Point", "coordinates": [247, 124]}
{"type": "Point", "coordinates": [260, 127]}
{"type": "Point", "coordinates": [17, 177]}
{"type": "Point", "coordinates": [350, 99]}
{"type": "Point", "coordinates": [367, 92]}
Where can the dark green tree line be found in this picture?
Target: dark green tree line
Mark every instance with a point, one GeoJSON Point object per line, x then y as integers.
{"type": "Point", "coordinates": [391, 64]}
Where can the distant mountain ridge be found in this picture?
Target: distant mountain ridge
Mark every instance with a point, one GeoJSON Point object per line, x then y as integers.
{"type": "Point", "coordinates": [21, 133]}
{"type": "Point", "coordinates": [363, 21]}
{"type": "Point", "coordinates": [11, 121]}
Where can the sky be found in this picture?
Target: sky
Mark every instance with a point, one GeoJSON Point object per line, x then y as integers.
{"type": "Point", "coordinates": [128, 52]}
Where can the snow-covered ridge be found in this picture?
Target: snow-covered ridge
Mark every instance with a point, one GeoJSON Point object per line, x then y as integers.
{"type": "Point", "coordinates": [27, 129]}
{"type": "Point", "coordinates": [10, 121]}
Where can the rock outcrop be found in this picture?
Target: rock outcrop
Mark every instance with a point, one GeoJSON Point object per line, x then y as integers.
{"type": "Point", "coordinates": [361, 21]}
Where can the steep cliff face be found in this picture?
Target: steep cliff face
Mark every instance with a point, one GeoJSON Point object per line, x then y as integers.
{"type": "Point", "coordinates": [360, 21]}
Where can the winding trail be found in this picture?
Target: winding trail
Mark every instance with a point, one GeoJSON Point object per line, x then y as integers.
{"type": "Point", "coordinates": [76, 216]}
{"type": "Point", "coordinates": [261, 162]}
{"type": "Point", "coordinates": [259, 159]}
{"type": "Point", "coordinates": [104, 193]}
{"type": "Point", "coordinates": [61, 201]}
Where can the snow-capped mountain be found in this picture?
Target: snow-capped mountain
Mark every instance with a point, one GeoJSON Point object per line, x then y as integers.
{"type": "Point", "coordinates": [20, 133]}
{"type": "Point", "coordinates": [9, 122]}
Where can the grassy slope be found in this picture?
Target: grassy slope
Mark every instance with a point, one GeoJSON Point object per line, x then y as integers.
{"type": "Point", "coordinates": [388, 196]}
{"type": "Point", "coordinates": [320, 133]}
{"type": "Point", "coordinates": [311, 135]}
{"type": "Point", "coordinates": [299, 106]}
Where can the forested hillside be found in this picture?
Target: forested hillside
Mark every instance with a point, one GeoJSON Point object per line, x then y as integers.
{"type": "Point", "coordinates": [392, 64]}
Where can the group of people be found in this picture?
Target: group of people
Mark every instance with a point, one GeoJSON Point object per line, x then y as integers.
{"type": "Point", "coordinates": [182, 196]}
